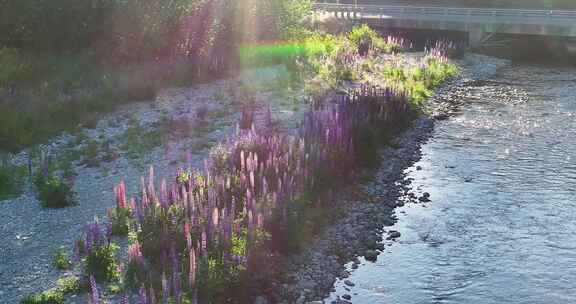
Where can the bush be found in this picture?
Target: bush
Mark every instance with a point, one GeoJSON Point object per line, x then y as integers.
{"type": "Point", "coordinates": [62, 259]}
{"type": "Point", "coordinates": [120, 219]}
{"type": "Point", "coordinates": [53, 192]}
{"type": "Point", "coordinates": [101, 263]}
{"type": "Point", "coordinates": [98, 252]}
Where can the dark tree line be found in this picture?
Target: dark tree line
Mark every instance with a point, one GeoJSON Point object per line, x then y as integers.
{"type": "Point", "coordinates": [141, 29]}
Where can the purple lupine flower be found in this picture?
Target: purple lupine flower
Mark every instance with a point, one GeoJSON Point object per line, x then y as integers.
{"type": "Point", "coordinates": [176, 287]}
{"type": "Point", "coordinates": [124, 299]}
{"type": "Point", "coordinates": [192, 268]}
{"type": "Point", "coordinates": [142, 296]}
{"type": "Point", "coordinates": [152, 299]}
{"type": "Point", "coordinates": [165, 289]}
{"type": "Point", "coordinates": [94, 295]}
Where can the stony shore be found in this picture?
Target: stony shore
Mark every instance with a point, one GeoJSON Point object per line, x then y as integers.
{"type": "Point", "coordinates": [31, 234]}
{"type": "Point", "coordinates": [360, 235]}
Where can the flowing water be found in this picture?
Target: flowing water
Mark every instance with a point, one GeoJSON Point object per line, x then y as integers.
{"type": "Point", "coordinates": [501, 226]}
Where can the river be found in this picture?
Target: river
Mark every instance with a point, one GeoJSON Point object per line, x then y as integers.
{"type": "Point", "coordinates": [501, 224]}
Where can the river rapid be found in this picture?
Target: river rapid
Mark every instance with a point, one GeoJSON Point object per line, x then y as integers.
{"type": "Point", "coordinates": [501, 223]}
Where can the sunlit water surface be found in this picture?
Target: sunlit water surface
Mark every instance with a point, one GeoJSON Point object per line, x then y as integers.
{"type": "Point", "coordinates": [501, 227]}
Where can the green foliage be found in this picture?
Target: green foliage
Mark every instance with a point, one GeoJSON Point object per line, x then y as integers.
{"type": "Point", "coordinates": [53, 192]}
{"type": "Point", "coordinates": [120, 218]}
{"type": "Point", "coordinates": [101, 263]}
{"type": "Point", "coordinates": [68, 284]}
{"type": "Point", "coordinates": [419, 81]}
{"type": "Point", "coordinates": [62, 259]}
{"type": "Point", "coordinates": [362, 34]}
{"type": "Point", "coordinates": [64, 62]}
{"type": "Point", "coordinates": [216, 278]}
{"type": "Point", "coordinates": [292, 20]}
{"type": "Point", "coordinates": [64, 285]}
{"type": "Point", "coordinates": [52, 296]}
{"type": "Point", "coordinates": [10, 178]}
{"type": "Point", "coordinates": [138, 140]}
{"type": "Point", "coordinates": [14, 67]}
{"type": "Point", "coordinates": [364, 37]}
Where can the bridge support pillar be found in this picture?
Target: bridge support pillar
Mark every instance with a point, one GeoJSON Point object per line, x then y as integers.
{"type": "Point", "coordinates": [475, 37]}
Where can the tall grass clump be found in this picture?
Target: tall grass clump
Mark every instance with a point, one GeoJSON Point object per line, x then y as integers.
{"type": "Point", "coordinates": [11, 177]}
{"type": "Point", "coordinates": [365, 39]}
{"type": "Point", "coordinates": [98, 253]}
{"type": "Point", "coordinates": [53, 190]}
{"type": "Point", "coordinates": [419, 80]}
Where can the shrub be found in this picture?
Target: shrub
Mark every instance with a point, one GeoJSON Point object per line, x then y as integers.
{"type": "Point", "coordinates": [62, 259]}
{"type": "Point", "coordinates": [101, 262]}
{"type": "Point", "coordinates": [68, 284]}
{"type": "Point", "coordinates": [98, 252]}
{"type": "Point", "coordinates": [52, 296]}
{"type": "Point", "coordinates": [53, 192]}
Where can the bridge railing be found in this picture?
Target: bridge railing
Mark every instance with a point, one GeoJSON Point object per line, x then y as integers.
{"type": "Point", "coordinates": [446, 11]}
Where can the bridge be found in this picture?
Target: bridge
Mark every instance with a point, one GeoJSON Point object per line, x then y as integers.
{"type": "Point", "coordinates": [479, 23]}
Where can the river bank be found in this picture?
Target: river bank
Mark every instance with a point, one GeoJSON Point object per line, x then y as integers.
{"type": "Point", "coordinates": [357, 237]}
{"type": "Point", "coordinates": [186, 114]}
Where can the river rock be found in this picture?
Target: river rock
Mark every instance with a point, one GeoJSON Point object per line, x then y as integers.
{"type": "Point", "coordinates": [393, 234]}
{"type": "Point", "coordinates": [371, 255]}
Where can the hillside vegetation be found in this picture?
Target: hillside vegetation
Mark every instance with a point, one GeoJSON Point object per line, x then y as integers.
{"type": "Point", "coordinates": [65, 61]}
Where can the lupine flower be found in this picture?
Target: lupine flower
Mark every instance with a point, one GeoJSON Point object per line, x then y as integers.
{"type": "Point", "coordinates": [265, 170]}
{"type": "Point", "coordinates": [124, 299]}
{"type": "Point", "coordinates": [142, 296]}
{"type": "Point", "coordinates": [135, 255]}
{"type": "Point", "coordinates": [192, 268]}
{"type": "Point", "coordinates": [120, 192]}
{"type": "Point", "coordinates": [94, 295]}
{"type": "Point", "coordinates": [165, 289]}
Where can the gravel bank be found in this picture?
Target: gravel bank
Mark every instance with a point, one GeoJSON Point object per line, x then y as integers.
{"type": "Point", "coordinates": [31, 234]}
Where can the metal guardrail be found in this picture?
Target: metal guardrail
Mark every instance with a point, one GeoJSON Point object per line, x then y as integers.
{"type": "Point", "coordinates": [446, 11]}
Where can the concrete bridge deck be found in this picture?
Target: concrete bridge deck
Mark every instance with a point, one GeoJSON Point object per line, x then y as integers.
{"type": "Point", "coordinates": [476, 21]}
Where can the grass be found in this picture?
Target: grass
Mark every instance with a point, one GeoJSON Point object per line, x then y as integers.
{"type": "Point", "coordinates": [137, 139]}
{"type": "Point", "coordinates": [418, 81]}
{"type": "Point", "coordinates": [42, 95]}
{"type": "Point", "coordinates": [64, 285]}
{"type": "Point", "coordinates": [11, 178]}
